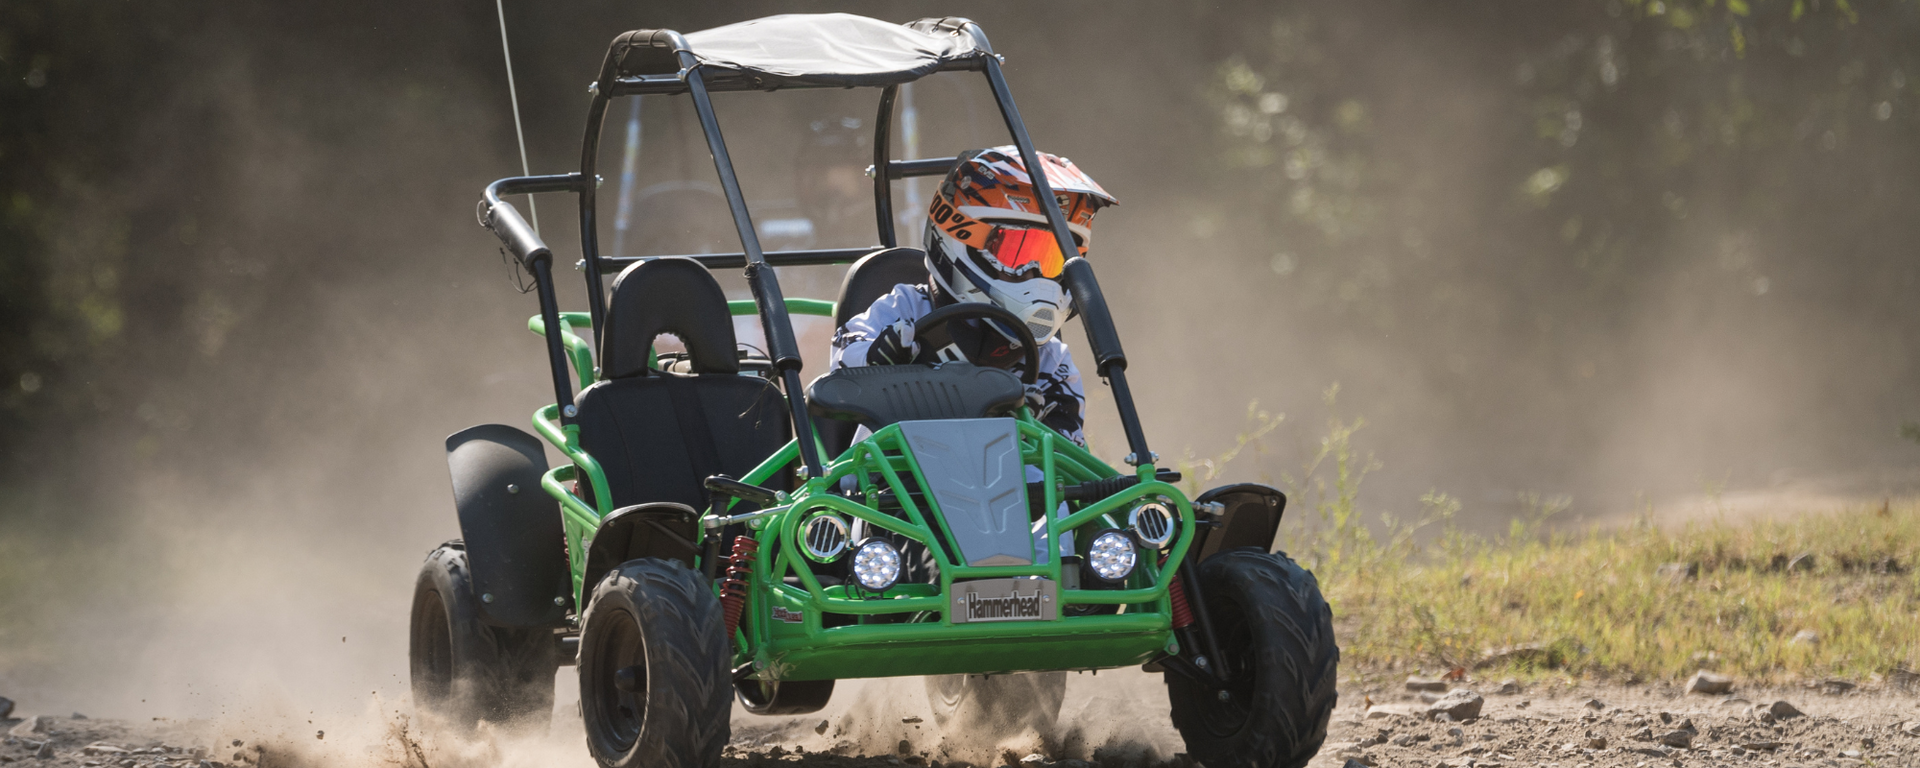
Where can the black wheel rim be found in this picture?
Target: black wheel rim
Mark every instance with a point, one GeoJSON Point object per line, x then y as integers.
{"type": "Point", "coordinates": [614, 715]}
{"type": "Point", "coordinates": [1226, 717]}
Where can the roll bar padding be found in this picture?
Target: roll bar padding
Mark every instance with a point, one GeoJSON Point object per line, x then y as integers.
{"type": "Point", "coordinates": [514, 232]}
{"type": "Point", "coordinates": [643, 52]}
{"type": "Point", "coordinates": [1095, 316]}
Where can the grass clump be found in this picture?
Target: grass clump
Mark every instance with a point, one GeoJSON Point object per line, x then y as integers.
{"type": "Point", "coordinates": [1808, 596]}
{"type": "Point", "coordinates": [1803, 596]}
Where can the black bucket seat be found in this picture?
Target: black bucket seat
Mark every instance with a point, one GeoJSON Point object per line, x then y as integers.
{"type": "Point", "coordinates": [659, 435]}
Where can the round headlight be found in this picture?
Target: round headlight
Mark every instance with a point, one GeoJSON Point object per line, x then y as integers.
{"type": "Point", "coordinates": [1111, 557]}
{"type": "Point", "coordinates": [826, 538]}
{"type": "Point", "coordinates": [1152, 523]}
{"type": "Point", "coordinates": [876, 565]}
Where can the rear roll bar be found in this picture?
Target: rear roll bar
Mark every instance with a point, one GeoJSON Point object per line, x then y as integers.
{"type": "Point", "coordinates": [526, 246]}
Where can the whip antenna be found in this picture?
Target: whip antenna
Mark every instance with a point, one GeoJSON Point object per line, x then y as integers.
{"type": "Point", "coordinates": [514, 96]}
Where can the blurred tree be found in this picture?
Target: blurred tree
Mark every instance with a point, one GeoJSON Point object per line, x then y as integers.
{"type": "Point", "coordinates": [1535, 173]}
{"type": "Point", "coordinates": [1618, 118]}
{"type": "Point", "coordinates": [57, 313]}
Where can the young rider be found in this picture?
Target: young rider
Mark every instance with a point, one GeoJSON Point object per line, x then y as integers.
{"type": "Point", "coordinates": [987, 240]}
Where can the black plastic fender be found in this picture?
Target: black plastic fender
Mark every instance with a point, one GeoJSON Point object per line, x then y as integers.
{"type": "Point", "coordinates": [1250, 518]}
{"type": "Point", "coordinates": [663, 530]}
{"type": "Point", "coordinates": [515, 545]}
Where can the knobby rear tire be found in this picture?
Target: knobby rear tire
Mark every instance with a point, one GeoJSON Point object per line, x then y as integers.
{"type": "Point", "coordinates": [661, 622]}
{"type": "Point", "coordinates": [1277, 632]}
{"type": "Point", "coordinates": [464, 671]}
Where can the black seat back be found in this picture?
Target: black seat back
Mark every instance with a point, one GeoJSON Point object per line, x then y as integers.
{"type": "Point", "coordinates": [874, 276]}
{"type": "Point", "coordinates": [672, 295]}
{"type": "Point", "coordinates": [656, 435]}
{"type": "Point", "coordinates": [870, 278]}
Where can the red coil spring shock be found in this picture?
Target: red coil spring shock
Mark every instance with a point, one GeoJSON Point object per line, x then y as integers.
{"type": "Point", "coordinates": [733, 588]}
{"type": "Point", "coordinates": [1182, 615]}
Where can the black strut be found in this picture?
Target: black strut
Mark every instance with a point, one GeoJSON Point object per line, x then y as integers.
{"type": "Point", "coordinates": [1197, 600]}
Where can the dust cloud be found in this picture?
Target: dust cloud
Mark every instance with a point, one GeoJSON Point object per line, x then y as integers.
{"type": "Point", "coordinates": [230, 527]}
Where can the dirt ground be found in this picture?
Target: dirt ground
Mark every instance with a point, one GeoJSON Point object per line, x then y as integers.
{"type": "Point", "coordinates": [1110, 720]}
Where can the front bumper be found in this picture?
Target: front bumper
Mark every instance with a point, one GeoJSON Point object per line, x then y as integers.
{"type": "Point", "coordinates": [796, 628]}
{"type": "Point", "coordinates": [893, 650]}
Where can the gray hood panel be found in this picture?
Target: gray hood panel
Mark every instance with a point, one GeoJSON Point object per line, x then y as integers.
{"type": "Point", "coordinates": [973, 472]}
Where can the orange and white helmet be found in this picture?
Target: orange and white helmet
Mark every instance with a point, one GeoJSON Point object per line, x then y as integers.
{"type": "Point", "coordinates": [988, 240]}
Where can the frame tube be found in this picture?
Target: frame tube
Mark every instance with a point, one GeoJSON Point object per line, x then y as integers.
{"type": "Point", "coordinates": [531, 185]}
{"type": "Point", "coordinates": [932, 166]}
{"type": "Point", "coordinates": [1035, 173]}
{"type": "Point", "coordinates": [782, 347]}
{"type": "Point", "coordinates": [613, 264]}
{"type": "Point", "coordinates": [882, 182]}
{"type": "Point", "coordinates": [1116, 377]}
{"type": "Point", "coordinates": [556, 352]}
{"type": "Point", "coordinates": [589, 207]}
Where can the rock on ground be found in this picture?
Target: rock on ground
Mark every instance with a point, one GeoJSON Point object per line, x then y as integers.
{"type": "Point", "coordinates": [1709, 683]}
{"type": "Point", "coordinates": [31, 726]}
{"type": "Point", "coordinates": [1461, 705]}
{"type": "Point", "coordinates": [1781, 710]}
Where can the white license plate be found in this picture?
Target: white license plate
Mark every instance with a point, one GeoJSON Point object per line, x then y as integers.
{"type": "Point", "coordinates": [1005, 600]}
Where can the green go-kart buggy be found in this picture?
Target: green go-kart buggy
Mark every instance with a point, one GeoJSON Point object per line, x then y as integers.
{"type": "Point", "coordinates": [718, 532]}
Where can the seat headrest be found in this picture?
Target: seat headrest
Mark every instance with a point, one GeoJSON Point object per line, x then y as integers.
{"type": "Point", "coordinates": [667, 295]}
{"type": "Point", "coordinates": [874, 276]}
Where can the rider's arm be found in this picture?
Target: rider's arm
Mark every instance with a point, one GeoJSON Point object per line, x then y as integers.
{"type": "Point", "coordinates": [1056, 398]}
{"type": "Point", "coordinates": [882, 335]}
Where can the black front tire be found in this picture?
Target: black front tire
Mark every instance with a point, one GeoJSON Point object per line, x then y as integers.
{"type": "Point", "coordinates": [1276, 631]}
{"type": "Point", "coordinates": [464, 671]}
{"type": "Point", "coordinates": [654, 687]}
{"type": "Point", "coordinates": [996, 705]}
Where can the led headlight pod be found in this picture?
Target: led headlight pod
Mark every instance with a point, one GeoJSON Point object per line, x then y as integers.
{"type": "Point", "coordinates": [876, 565]}
{"type": "Point", "coordinates": [1111, 557]}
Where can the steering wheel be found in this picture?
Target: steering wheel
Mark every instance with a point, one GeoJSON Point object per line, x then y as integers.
{"type": "Point", "coordinates": [967, 310]}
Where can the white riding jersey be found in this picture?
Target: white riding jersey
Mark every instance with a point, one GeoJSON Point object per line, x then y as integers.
{"type": "Point", "coordinates": [883, 335]}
